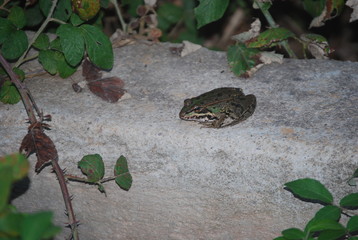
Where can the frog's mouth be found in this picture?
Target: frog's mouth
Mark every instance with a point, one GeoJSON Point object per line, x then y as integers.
{"type": "Point", "coordinates": [199, 117]}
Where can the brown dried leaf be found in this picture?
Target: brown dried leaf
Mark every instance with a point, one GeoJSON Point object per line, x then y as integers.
{"type": "Point", "coordinates": [37, 141]}
{"type": "Point", "coordinates": [90, 71]}
{"type": "Point", "coordinates": [109, 89]}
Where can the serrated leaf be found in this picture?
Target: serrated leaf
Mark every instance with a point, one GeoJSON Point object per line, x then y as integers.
{"type": "Point", "coordinates": [98, 46]}
{"type": "Point", "coordinates": [350, 201]}
{"type": "Point", "coordinates": [352, 224]}
{"type": "Point", "coordinates": [37, 226]}
{"type": "Point", "coordinates": [314, 7]}
{"type": "Point", "coordinates": [18, 163]}
{"type": "Point", "coordinates": [209, 11]}
{"type": "Point", "coordinates": [124, 178]}
{"type": "Point", "coordinates": [15, 45]}
{"type": "Point", "coordinates": [241, 58]}
{"type": "Point", "coordinates": [45, 6]}
{"type": "Point", "coordinates": [331, 234]}
{"type": "Point", "coordinates": [92, 166]}
{"type": "Point", "coordinates": [329, 212]}
{"type": "Point", "coordinates": [5, 185]}
{"type": "Point", "coordinates": [56, 44]}
{"type": "Point", "coordinates": [63, 10]}
{"type": "Point", "coordinates": [9, 93]}
{"type": "Point", "coordinates": [33, 15]}
{"type": "Point", "coordinates": [72, 43]}
{"type": "Point", "coordinates": [17, 17]}
{"type": "Point", "coordinates": [6, 29]}
{"type": "Point", "coordinates": [293, 234]}
{"type": "Point", "coordinates": [270, 38]}
{"type": "Point", "coordinates": [316, 225]}
{"type": "Point", "coordinates": [48, 60]}
{"type": "Point", "coordinates": [42, 42]}
{"type": "Point", "coordinates": [54, 61]}
{"type": "Point", "coordinates": [76, 20]}
{"type": "Point", "coordinates": [310, 189]}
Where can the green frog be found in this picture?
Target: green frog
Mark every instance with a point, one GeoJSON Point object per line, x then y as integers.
{"type": "Point", "coordinates": [219, 108]}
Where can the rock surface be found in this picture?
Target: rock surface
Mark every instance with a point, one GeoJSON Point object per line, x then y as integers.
{"type": "Point", "coordinates": [192, 182]}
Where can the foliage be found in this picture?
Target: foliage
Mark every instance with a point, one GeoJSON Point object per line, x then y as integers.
{"type": "Point", "coordinates": [75, 37]}
{"type": "Point", "coordinates": [325, 225]}
{"type": "Point", "coordinates": [93, 167]}
{"type": "Point", "coordinates": [15, 224]}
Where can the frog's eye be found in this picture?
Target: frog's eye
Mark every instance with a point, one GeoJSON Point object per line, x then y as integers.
{"type": "Point", "coordinates": [187, 102]}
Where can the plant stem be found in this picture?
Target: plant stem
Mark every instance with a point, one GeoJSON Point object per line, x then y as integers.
{"type": "Point", "coordinates": [273, 24]}
{"type": "Point", "coordinates": [124, 26]}
{"type": "Point", "coordinates": [41, 29]}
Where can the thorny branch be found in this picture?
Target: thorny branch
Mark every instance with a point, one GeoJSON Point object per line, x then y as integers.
{"type": "Point", "coordinates": [37, 141]}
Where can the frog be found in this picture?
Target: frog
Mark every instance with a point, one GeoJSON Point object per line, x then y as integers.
{"type": "Point", "coordinates": [218, 108]}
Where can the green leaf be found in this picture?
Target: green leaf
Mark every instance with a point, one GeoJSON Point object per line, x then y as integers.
{"type": "Point", "coordinates": [19, 73]}
{"type": "Point", "coordinates": [72, 43]}
{"type": "Point", "coordinates": [314, 7]}
{"type": "Point", "coordinates": [316, 225]}
{"type": "Point", "coordinates": [63, 10]}
{"type": "Point", "coordinates": [132, 6]}
{"type": "Point", "coordinates": [280, 238]}
{"type": "Point", "coordinates": [352, 224]}
{"type": "Point", "coordinates": [350, 201]}
{"type": "Point", "coordinates": [92, 166]}
{"type": "Point", "coordinates": [15, 45]}
{"type": "Point", "coordinates": [18, 163]}
{"type": "Point", "coordinates": [42, 42]}
{"type": "Point", "coordinates": [270, 38]}
{"type": "Point", "coordinates": [310, 189]}
{"type": "Point", "coordinates": [76, 20]}
{"type": "Point", "coordinates": [17, 17]}
{"type": "Point", "coordinates": [38, 226]}
{"type": "Point", "coordinates": [170, 12]}
{"type": "Point", "coordinates": [9, 221]}
{"type": "Point", "coordinates": [54, 61]}
{"type": "Point", "coordinates": [6, 29]}
{"type": "Point", "coordinates": [209, 11]}
{"type": "Point", "coordinates": [98, 46]}
{"type": "Point", "coordinates": [329, 212]}
{"type": "Point", "coordinates": [331, 234]}
{"type": "Point", "coordinates": [56, 44]}
{"type": "Point", "coordinates": [293, 234]}
{"type": "Point", "coordinates": [353, 238]}
{"type": "Point", "coordinates": [241, 58]}
{"type": "Point", "coordinates": [33, 15]}
{"type": "Point", "coordinates": [48, 60]}
{"type": "Point", "coordinates": [124, 180]}
{"type": "Point", "coordinates": [45, 6]}
{"type": "Point", "coordinates": [5, 185]}
{"type": "Point", "coordinates": [9, 93]}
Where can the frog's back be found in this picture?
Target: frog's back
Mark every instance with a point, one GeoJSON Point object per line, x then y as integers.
{"type": "Point", "coordinates": [219, 94]}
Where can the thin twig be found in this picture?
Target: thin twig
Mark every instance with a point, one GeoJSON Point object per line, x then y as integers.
{"type": "Point", "coordinates": [124, 26]}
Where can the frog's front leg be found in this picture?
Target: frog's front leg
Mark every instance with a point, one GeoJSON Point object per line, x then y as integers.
{"type": "Point", "coordinates": [216, 123]}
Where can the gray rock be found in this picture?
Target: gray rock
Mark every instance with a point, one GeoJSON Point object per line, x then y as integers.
{"type": "Point", "coordinates": [192, 182]}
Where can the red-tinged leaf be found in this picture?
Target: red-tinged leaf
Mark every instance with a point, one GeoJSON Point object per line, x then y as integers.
{"type": "Point", "coordinates": [38, 142]}
{"type": "Point", "coordinates": [90, 71]}
{"type": "Point", "coordinates": [93, 166]}
{"type": "Point", "coordinates": [109, 89]}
